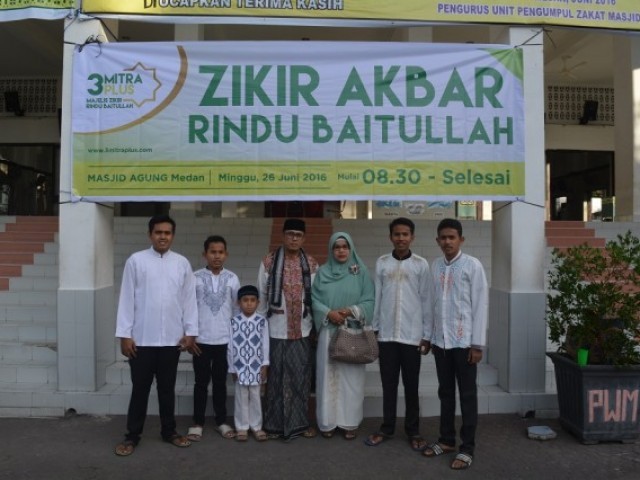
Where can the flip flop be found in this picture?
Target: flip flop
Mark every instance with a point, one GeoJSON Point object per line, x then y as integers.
{"type": "Point", "coordinates": [177, 440]}
{"type": "Point", "coordinates": [418, 444]}
{"type": "Point", "coordinates": [464, 461]}
{"type": "Point", "coordinates": [437, 449]}
{"type": "Point", "coordinates": [242, 436]}
{"type": "Point", "coordinates": [260, 435]}
{"type": "Point", "coordinates": [328, 433]}
{"type": "Point", "coordinates": [349, 434]}
{"type": "Point", "coordinates": [126, 448]}
{"type": "Point", "coordinates": [310, 433]}
{"type": "Point", "coordinates": [194, 434]}
{"type": "Point", "coordinates": [376, 438]}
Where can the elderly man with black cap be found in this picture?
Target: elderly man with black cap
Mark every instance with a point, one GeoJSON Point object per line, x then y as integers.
{"type": "Point", "coordinates": [284, 281]}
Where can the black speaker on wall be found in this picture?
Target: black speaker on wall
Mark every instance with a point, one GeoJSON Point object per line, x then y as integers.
{"type": "Point", "coordinates": [589, 112]}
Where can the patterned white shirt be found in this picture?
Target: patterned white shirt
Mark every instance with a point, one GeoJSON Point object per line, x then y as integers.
{"type": "Point", "coordinates": [217, 303]}
{"type": "Point", "coordinates": [248, 347]}
{"type": "Point", "coordinates": [402, 309]}
{"type": "Point", "coordinates": [460, 303]}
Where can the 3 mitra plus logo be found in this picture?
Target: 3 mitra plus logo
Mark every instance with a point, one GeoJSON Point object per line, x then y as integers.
{"type": "Point", "coordinates": [130, 88]}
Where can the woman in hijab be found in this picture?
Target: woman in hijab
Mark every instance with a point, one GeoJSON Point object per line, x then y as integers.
{"type": "Point", "coordinates": [343, 292]}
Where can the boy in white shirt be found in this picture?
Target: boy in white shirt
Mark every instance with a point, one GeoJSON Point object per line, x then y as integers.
{"type": "Point", "coordinates": [216, 291]}
{"type": "Point", "coordinates": [460, 301]}
{"type": "Point", "coordinates": [248, 363]}
{"type": "Point", "coordinates": [400, 317]}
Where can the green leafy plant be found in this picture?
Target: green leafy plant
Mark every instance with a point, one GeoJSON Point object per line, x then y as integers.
{"type": "Point", "coordinates": [594, 301]}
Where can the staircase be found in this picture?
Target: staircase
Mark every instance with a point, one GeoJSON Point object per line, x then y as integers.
{"type": "Point", "coordinates": [28, 310]}
{"type": "Point", "coordinates": [28, 371]}
{"type": "Point", "coordinates": [565, 234]}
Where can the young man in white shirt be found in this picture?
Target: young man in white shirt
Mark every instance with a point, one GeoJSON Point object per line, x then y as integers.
{"type": "Point", "coordinates": [460, 300]}
{"type": "Point", "coordinates": [400, 317]}
{"type": "Point", "coordinates": [157, 317]}
{"type": "Point", "coordinates": [216, 293]}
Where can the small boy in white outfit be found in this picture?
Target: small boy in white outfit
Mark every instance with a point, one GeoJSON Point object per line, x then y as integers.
{"type": "Point", "coordinates": [248, 358]}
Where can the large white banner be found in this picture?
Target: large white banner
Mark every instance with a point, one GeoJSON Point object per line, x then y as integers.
{"type": "Point", "coordinates": [12, 10]}
{"type": "Point", "coordinates": [297, 120]}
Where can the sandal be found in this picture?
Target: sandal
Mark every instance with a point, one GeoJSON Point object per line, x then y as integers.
{"type": "Point", "coordinates": [350, 434]}
{"type": "Point", "coordinates": [328, 433]}
{"type": "Point", "coordinates": [242, 436]}
{"type": "Point", "coordinates": [260, 435]}
{"type": "Point", "coordinates": [310, 433]}
{"type": "Point", "coordinates": [177, 440]}
{"type": "Point", "coordinates": [125, 448]}
{"type": "Point", "coordinates": [194, 434]}
{"type": "Point", "coordinates": [461, 462]}
{"type": "Point", "coordinates": [226, 431]}
{"type": "Point", "coordinates": [418, 444]}
{"type": "Point", "coordinates": [437, 449]}
{"type": "Point", "coordinates": [376, 439]}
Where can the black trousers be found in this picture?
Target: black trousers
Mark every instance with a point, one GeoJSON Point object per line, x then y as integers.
{"type": "Point", "coordinates": [210, 366]}
{"type": "Point", "coordinates": [396, 358]}
{"type": "Point", "coordinates": [150, 362]}
{"type": "Point", "coordinates": [452, 366]}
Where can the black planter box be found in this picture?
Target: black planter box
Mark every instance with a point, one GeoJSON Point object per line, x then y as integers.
{"type": "Point", "coordinates": [598, 403]}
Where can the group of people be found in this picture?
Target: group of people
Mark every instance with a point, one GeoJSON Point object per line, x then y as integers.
{"type": "Point", "coordinates": [264, 335]}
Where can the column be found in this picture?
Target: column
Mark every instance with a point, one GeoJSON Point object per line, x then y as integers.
{"type": "Point", "coordinates": [627, 137]}
{"type": "Point", "coordinates": [86, 317]}
{"type": "Point", "coordinates": [517, 329]}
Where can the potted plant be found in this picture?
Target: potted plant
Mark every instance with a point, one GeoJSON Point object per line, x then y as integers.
{"type": "Point", "coordinates": [593, 304]}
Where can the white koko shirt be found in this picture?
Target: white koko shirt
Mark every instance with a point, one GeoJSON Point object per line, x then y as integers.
{"type": "Point", "coordinates": [217, 303]}
{"type": "Point", "coordinates": [157, 304]}
{"type": "Point", "coordinates": [460, 303]}
{"type": "Point", "coordinates": [402, 309]}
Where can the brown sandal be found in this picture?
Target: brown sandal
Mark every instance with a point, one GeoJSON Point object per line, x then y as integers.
{"type": "Point", "coordinates": [350, 434]}
{"type": "Point", "coordinates": [260, 435]}
{"type": "Point", "coordinates": [177, 440]}
{"type": "Point", "coordinates": [125, 448]}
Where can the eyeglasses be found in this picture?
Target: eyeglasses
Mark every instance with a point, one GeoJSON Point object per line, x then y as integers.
{"type": "Point", "coordinates": [294, 235]}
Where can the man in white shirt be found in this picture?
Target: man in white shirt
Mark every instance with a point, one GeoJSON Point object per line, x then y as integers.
{"type": "Point", "coordinates": [460, 300]}
{"type": "Point", "coordinates": [400, 317]}
{"type": "Point", "coordinates": [157, 317]}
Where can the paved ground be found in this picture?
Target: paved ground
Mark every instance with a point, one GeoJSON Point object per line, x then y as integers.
{"type": "Point", "coordinates": [81, 447]}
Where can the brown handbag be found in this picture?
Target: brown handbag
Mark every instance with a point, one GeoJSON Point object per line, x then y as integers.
{"type": "Point", "coordinates": [350, 345]}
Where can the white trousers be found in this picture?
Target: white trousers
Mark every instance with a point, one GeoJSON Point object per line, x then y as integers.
{"type": "Point", "coordinates": [247, 408]}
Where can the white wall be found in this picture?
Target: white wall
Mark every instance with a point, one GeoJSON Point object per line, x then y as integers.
{"type": "Point", "coordinates": [29, 130]}
{"type": "Point", "coordinates": [579, 137]}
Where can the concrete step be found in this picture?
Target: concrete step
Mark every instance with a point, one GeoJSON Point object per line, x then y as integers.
{"type": "Point", "coordinates": [33, 333]}
{"type": "Point", "coordinates": [26, 314]}
{"type": "Point", "coordinates": [118, 374]}
{"type": "Point", "coordinates": [30, 237]}
{"type": "Point", "coordinates": [37, 399]}
{"type": "Point", "coordinates": [16, 258]}
{"type": "Point", "coordinates": [34, 284]}
{"type": "Point", "coordinates": [21, 247]}
{"type": "Point", "coordinates": [565, 234]}
{"type": "Point", "coordinates": [36, 352]}
{"type": "Point", "coordinates": [10, 270]}
{"type": "Point", "coordinates": [28, 372]}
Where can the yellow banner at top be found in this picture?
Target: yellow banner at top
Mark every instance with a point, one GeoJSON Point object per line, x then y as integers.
{"type": "Point", "coordinates": [609, 14]}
